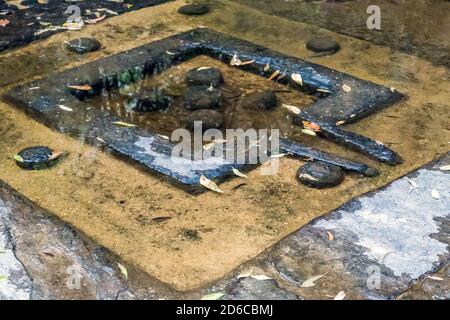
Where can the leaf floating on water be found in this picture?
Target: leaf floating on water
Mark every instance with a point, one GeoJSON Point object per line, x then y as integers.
{"type": "Point", "coordinates": [124, 124]}
{"type": "Point", "coordinates": [435, 194]}
{"type": "Point", "coordinates": [309, 132]}
{"type": "Point", "coordinates": [4, 22]}
{"type": "Point", "coordinates": [346, 88]}
{"type": "Point", "coordinates": [123, 270]}
{"type": "Point", "coordinates": [18, 158]}
{"type": "Point", "coordinates": [340, 123]}
{"type": "Point", "coordinates": [293, 109]}
{"type": "Point", "coordinates": [213, 296]}
{"type": "Point", "coordinates": [62, 107]}
{"type": "Point", "coordinates": [108, 11]}
{"type": "Point", "coordinates": [279, 155]}
{"type": "Point", "coordinates": [163, 136]}
{"type": "Point", "coordinates": [324, 90]}
{"type": "Point", "coordinates": [85, 87]}
{"type": "Point", "coordinates": [311, 281]}
{"type": "Point", "coordinates": [209, 184]}
{"type": "Point", "coordinates": [274, 75]}
{"type": "Point", "coordinates": [330, 236]}
{"type": "Point", "coordinates": [297, 77]}
{"type": "Point", "coordinates": [340, 296]}
{"type": "Point", "coordinates": [266, 67]}
{"type": "Point", "coordinates": [239, 174]}
{"type": "Point", "coordinates": [445, 168]}
{"type": "Point", "coordinates": [393, 90]}
{"type": "Point", "coordinates": [435, 278]}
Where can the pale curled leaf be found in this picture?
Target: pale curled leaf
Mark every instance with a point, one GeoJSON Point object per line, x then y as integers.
{"type": "Point", "coordinates": [435, 278]}
{"type": "Point", "coordinates": [18, 158]}
{"type": "Point", "coordinates": [213, 296]}
{"type": "Point", "coordinates": [340, 296]}
{"type": "Point", "coordinates": [308, 177]}
{"type": "Point", "coordinates": [297, 77]}
{"type": "Point", "coordinates": [293, 109]}
{"type": "Point", "coordinates": [346, 88]}
{"type": "Point", "coordinates": [340, 123]}
{"type": "Point", "coordinates": [309, 132]}
{"type": "Point", "coordinates": [311, 281]}
{"type": "Point", "coordinates": [274, 75]}
{"type": "Point", "coordinates": [123, 270]}
{"type": "Point", "coordinates": [260, 277]}
{"type": "Point", "coordinates": [445, 168]}
{"type": "Point", "coordinates": [209, 184]}
{"type": "Point", "coordinates": [203, 68]}
{"type": "Point", "coordinates": [330, 236]}
{"type": "Point", "coordinates": [85, 87]}
{"type": "Point", "coordinates": [239, 174]}
{"type": "Point", "coordinates": [64, 108]}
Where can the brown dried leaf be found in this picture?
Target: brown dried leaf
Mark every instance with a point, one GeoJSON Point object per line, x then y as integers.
{"type": "Point", "coordinates": [85, 87]}
{"type": "Point", "coordinates": [330, 236]}
{"type": "Point", "coordinates": [209, 184]}
{"type": "Point", "coordinates": [274, 75]}
{"type": "Point", "coordinates": [4, 22]}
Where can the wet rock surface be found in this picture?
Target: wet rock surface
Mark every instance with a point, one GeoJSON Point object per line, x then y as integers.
{"type": "Point", "coordinates": [83, 45]}
{"type": "Point", "coordinates": [36, 158]}
{"type": "Point", "coordinates": [265, 100]}
{"type": "Point", "coordinates": [210, 119]}
{"type": "Point", "coordinates": [323, 45]}
{"type": "Point", "coordinates": [202, 97]}
{"type": "Point", "coordinates": [153, 101]}
{"type": "Point", "coordinates": [320, 175]}
{"type": "Point", "coordinates": [204, 76]}
{"type": "Point", "coordinates": [193, 9]}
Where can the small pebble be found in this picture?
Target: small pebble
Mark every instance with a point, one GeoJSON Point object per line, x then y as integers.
{"type": "Point", "coordinates": [83, 45]}
{"type": "Point", "coordinates": [35, 158]}
{"type": "Point", "coordinates": [155, 100]}
{"type": "Point", "coordinates": [202, 97]}
{"type": "Point", "coordinates": [193, 9]}
{"type": "Point", "coordinates": [320, 175]}
{"type": "Point", "coordinates": [204, 76]}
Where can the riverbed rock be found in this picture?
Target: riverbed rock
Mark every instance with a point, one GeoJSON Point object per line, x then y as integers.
{"type": "Point", "coordinates": [210, 119]}
{"type": "Point", "coordinates": [153, 101]}
{"type": "Point", "coordinates": [36, 158]}
{"type": "Point", "coordinates": [83, 45]}
{"type": "Point", "coordinates": [264, 100]}
{"type": "Point", "coordinates": [204, 76]}
{"type": "Point", "coordinates": [193, 9]}
{"type": "Point", "coordinates": [323, 45]}
{"type": "Point", "coordinates": [320, 175]}
{"type": "Point", "coordinates": [202, 97]}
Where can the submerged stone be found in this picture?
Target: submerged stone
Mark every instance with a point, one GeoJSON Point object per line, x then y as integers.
{"type": "Point", "coordinates": [204, 76]}
{"type": "Point", "coordinates": [155, 100]}
{"type": "Point", "coordinates": [264, 100]}
{"type": "Point", "coordinates": [83, 45]}
{"type": "Point", "coordinates": [323, 45]}
{"type": "Point", "coordinates": [36, 158]}
{"type": "Point", "coordinates": [320, 175]}
{"type": "Point", "coordinates": [202, 97]}
{"type": "Point", "coordinates": [210, 119]}
{"type": "Point", "coordinates": [193, 9]}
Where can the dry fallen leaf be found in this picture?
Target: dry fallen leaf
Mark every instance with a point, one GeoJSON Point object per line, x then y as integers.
{"type": "Point", "coordinates": [209, 146]}
{"type": "Point", "coordinates": [330, 236]}
{"type": "Point", "coordinates": [445, 168]}
{"type": "Point", "coordinates": [96, 20]}
{"type": "Point", "coordinates": [239, 174]}
{"type": "Point", "coordinates": [324, 90]}
{"type": "Point", "coordinates": [209, 184]}
{"type": "Point", "coordinates": [56, 155]}
{"type": "Point", "coordinates": [244, 63]}
{"type": "Point", "coordinates": [260, 277]}
{"type": "Point", "coordinates": [346, 88]}
{"type": "Point", "coordinates": [124, 124]}
{"type": "Point", "coordinates": [266, 67]}
{"type": "Point", "coordinates": [123, 270]}
{"type": "Point", "coordinates": [235, 61]}
{"type": "Point", "coordinates": [340, 296]}
{"type": "Point", "coordinates": [203, 68]}
{"type": "Point", "coordinates": [274, 75]}
{"type": "Point", "coordinates": [85, 87]}
{"type": "Point", "coordinates": [297, 78]}
{"type": "Point", "coordinates": [308, 177]}
{"type": "Point", "coordinates": [311, 281]}
{"type": "Point", "coordinates": [309, 132]}
{"type": "Point", "coordinates": [435, 278]}
{"type": "Point", "coordinates": [340, 123]}
{"type": "Point", "coordinates": [4, 22]}
{"type": "Point", "coordinates": [62, 107]}
{"type": "Point", "coordinates": [278, 155]}
{"type": "Point", "coordinates": [213, 296]}
{"type": "Point", "coordinates": [293, 109]}
{"type": "Point", "coordinates": [435, 194]}
{"type": "Point", "coordinates": [311, 125]}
